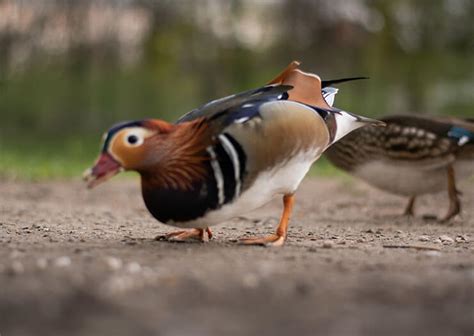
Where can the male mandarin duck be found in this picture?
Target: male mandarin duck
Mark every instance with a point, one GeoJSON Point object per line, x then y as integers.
{"type": "Point", "coordinates": [411, 156]}
{"type": "Point", "coordinates": [230, 156]}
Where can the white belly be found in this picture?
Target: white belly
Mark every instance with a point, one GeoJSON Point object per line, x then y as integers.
{"type": "Point", "coordinates": [268, 184]}
{"type": "Point", "coordinates": [401, 179]}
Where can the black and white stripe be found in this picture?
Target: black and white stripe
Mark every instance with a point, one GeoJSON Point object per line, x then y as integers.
{"type": "Point", "coordinates": [329, 94]}
{"type": "Point", "coordinates": [232, 153]}
{"type": "Point", "coordinates": [228, 165]}
{"type": "Point", "coordinates": [219, 177]}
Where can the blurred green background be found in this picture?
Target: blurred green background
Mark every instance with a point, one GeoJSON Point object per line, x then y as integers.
{"type": "Point", "coordinates": [71, 69]}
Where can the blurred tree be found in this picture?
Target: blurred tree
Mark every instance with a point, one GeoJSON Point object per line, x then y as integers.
{"type": "Point", "coordinates": [75, 67]}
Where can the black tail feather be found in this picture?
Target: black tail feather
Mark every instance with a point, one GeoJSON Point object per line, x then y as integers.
{"type": "Point", "coordinates": [330, 82]}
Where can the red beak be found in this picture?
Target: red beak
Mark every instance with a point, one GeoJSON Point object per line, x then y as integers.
{"type": "Point", "coordinates": [104, 168]}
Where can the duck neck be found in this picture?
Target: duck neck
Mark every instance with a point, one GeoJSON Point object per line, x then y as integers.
{"type": "Point", "coordinates": [177, 158]}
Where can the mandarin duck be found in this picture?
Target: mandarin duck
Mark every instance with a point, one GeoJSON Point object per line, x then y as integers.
{"type": "Point", "coordinates": [411, 156]}
{"type": "Point", "coordinates": [228, 157]}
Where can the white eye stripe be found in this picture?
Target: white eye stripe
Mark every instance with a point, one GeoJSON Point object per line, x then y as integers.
{"type": "Point", "coordinates": [134, 140]}
{"type": "Point", "coordinates": [134, 137]}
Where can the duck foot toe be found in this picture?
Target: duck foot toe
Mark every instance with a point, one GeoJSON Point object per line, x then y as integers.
{"type": "Point", "coordinates": [272, 240]}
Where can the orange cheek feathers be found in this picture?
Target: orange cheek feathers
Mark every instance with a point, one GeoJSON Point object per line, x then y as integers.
{"type": "Point", "coordinates": [129, 157]}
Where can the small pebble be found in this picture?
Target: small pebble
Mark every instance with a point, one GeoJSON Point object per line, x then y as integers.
{"type": "Point", "coordinates": [64, 261]}
{"type": "Point", "coordinates": [134, 267]}
{"type": "Point", "coordinates": [15, 254]}
{"type": "Point", "coordinates": [461, 239]}
{"type": "Point", "coordinates": [328, 244]}
{"type": "Point", "coordinates": [114, 263]}
{"type": "Point", "coordinates": [250, 281]}
{"type": "Point", "coordinates": [446, 239]}
{"type": "Point", "coordinates": [433, 253]}
{"type": "Point", "coordinates": [437, 241]}
{"type": "Point", "coordinates": [41, 263]}
{"type": "Point", "coordinates": [424, 238]}
{"type": "Point", "coordinates": [16, 268]}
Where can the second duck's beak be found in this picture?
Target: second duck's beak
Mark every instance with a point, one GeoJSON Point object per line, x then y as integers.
{"type": "Point", "coordinates": [105, 167]}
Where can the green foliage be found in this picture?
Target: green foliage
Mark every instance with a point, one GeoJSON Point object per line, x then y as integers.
{"type": "Point", "coordinates": [45, 160]}
{"type": "Point", "coordinates": [54, 108]}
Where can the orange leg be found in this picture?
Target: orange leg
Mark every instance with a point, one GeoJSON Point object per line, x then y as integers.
{"type": "Point", "coordinates": [277, 239]}
{"type": "Point", "coordinates": [409, 209]}
{"type": "Point", "coordinates": [454, 202]}
{"type": "Point", "coordinates": [186, 235]}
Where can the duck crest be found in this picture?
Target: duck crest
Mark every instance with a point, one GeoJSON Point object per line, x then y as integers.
{"type": "Point", "coordinates": [306, 86]}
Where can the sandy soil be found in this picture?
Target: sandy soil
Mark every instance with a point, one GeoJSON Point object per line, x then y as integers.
{"type": "Point", "coordinates": [78, 262]}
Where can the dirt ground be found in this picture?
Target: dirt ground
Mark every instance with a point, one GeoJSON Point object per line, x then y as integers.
{"type": "Point", "coordinates": [79, 262]}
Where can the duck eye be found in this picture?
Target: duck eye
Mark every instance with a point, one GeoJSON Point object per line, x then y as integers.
{"type": "Point", "coordinates": [132, 139]}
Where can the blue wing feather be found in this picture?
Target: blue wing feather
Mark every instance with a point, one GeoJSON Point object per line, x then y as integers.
{"type": "Point", "coordinates": [460, 134]}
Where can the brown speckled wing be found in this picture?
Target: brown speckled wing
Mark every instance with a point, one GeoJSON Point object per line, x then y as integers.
{"type": "Point", "coordinates": [466, 151]}
{"type": "Point", "coordinates": [406, 140]}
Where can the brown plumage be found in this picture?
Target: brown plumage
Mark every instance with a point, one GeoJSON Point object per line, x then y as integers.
{"type": "Point", "coordinates": [178, 154]}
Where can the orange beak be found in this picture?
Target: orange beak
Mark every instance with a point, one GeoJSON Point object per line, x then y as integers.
{"type": "Point", "coordinates": [105, 167]}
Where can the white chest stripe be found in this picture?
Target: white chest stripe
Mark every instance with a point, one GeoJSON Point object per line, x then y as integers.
{"type": "Point", "coordinates": [218, 175]}
{"type": "Point", "coordinates": [230, 150]}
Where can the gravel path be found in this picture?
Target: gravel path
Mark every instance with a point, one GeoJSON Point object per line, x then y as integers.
{"type": "Point", "coordinates": [78, 262]}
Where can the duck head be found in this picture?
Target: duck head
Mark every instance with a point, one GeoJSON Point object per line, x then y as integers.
{"type": "Point", "coordinates": [126, 146]}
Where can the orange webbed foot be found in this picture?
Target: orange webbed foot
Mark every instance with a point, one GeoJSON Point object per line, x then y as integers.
{"type": "Point", "coordinates": [278, 239]}
{"type": "Point", "coordinates": [272, 240]}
